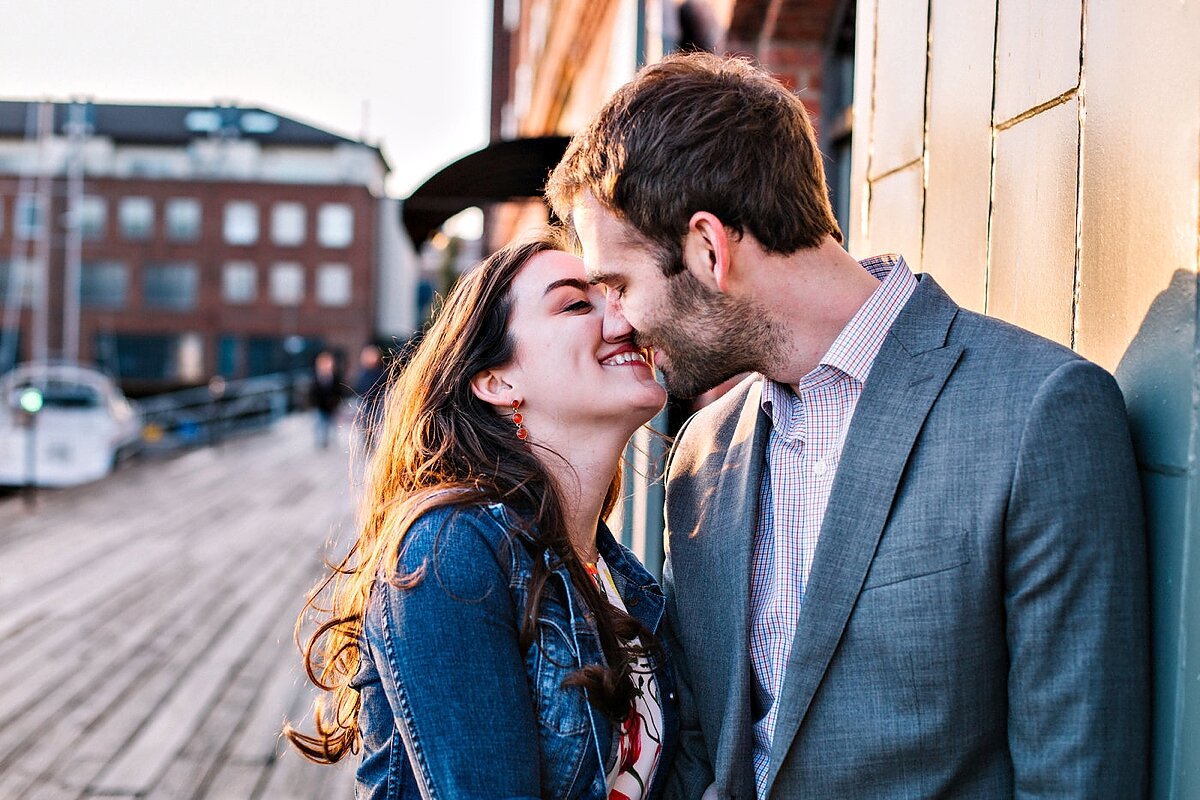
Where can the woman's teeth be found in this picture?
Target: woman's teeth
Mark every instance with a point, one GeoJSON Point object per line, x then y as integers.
{"type": "Point", "coordinates": [624, 358]}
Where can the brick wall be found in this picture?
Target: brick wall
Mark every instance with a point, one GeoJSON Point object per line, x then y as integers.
{"type": "Point", "coordinates": [345, 327]}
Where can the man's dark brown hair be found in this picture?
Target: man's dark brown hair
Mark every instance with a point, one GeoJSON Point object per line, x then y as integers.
{"type": "Point", "coordinates": [697, 132]}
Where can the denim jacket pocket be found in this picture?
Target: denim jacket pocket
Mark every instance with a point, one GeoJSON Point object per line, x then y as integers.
{"type": "Point", "coordinates": [561, 709]}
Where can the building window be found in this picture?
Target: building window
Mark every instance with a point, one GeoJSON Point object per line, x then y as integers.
{"type": "Point", "coordinates": [335, 225]}
{"type": "Point", "coordinates": [151, 357]}
{"type": "Point", "coordinates": [183, 219]}
{"type": "Point", "coordinates": [136, 218]}
{"type": "Point", "coordinates": [241, 222]}
{"type": "Point", "coordinates": [266, 354]}
{"type": "Point", "coordinates": [287, 284]}
{"type": "Point", "coordinates": [287, 224]}
{"type": "Point", "coordinates": [136, 355]}
{"type": "Point", "coordinates": [172, 287]}
{"type": "Point", "coordinates": [333, 285]}
{"type": "Point", "coordinates": [239, 282]}
{"type": "Point", "coordinates": [21, 274]}
{"type": "Point", "coordinates": [93, 217]}
{"type": "Point", "coordinates": [28, 215]}
{"type": "Point", "coordinates": [104, 284]}
{"type": "Point", "coordinates": [229, 356]}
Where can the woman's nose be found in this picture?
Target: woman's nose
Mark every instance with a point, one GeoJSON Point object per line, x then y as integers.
{"type": "Point", "coordinates": [616, 327]}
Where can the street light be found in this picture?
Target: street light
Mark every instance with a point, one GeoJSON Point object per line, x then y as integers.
{"type": "Point", "coordinates": [31, 400]}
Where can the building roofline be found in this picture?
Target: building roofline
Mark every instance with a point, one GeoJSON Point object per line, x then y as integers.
{"type": "Point", "coordinates": [174, 124]}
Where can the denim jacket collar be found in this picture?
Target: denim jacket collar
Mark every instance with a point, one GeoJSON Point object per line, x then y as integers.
{"type": "Point", "coordinates": [638, 590]}
{"type": "Point", "coordinates": [643, 599]}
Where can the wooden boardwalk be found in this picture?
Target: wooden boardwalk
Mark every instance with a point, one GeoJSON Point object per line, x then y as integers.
{"type": "Point", "coordinates": [146, 625]}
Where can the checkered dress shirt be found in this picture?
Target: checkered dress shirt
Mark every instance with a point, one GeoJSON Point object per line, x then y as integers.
{"type": "Point", "coordinates": [808, 428]}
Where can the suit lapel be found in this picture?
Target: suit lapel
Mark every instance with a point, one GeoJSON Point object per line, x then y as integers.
{"type": "Point", "coordinates": [906, 379]}
{"type": "Point", "coordinates": [733, 511]}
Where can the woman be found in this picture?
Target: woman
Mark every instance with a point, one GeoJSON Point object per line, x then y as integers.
{"type": "Point", "coordinates": [487, 636]}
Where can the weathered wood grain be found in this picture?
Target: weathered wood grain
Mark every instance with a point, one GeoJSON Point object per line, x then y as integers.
{"type": "Point", "coordinates": [146, 625]}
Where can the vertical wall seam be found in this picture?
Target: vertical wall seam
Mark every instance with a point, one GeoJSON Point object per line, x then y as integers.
{"type": "Point", "coordinates": [865, 211]}
{"type": "Point", "coordinates": [1081, 107]}
{"type": "Point", "coordinates": [925, 124]}
{"type": "Point", "coordinates": [987, 270]}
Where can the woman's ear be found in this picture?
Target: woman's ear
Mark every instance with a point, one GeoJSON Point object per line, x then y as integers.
{"type": "Point", "coordinates": [706, 251]}
{"type": "Point", "coordinates": [490, 387]}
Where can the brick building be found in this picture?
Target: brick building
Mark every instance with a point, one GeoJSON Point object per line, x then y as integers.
{"type": "Point", "coordinates": [207, 241]}
{"type": "Point", "coordinates": [554, 62]}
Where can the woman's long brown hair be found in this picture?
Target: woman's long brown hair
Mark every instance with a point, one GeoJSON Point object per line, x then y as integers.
{"type": "Point", "coordinates": [440, 445]}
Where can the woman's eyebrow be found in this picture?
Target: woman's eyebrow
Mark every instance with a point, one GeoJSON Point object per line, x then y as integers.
{"type": "Point", "coordinates": [574, 283]}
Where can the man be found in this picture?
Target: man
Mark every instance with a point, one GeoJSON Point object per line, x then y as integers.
{"type": "Point", "coordinates": [906, 558]}
{"type": "Point", "coordinates": [325, 395]}
{"type": "Point", "coordinates": [370, 387]}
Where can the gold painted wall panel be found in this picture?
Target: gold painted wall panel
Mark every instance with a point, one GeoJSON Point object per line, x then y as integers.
{"type": "Point", "coordinates": [896, 215]}
{"type": "Point", "coordinates": [960, 149]}
{"type": "Point", "coordinates": [1141, 161]}
{"type": "Point", "coordinates": [1037, 53]}
{"type": "Point", "coordinates": [898, 129]}
{"type": "Point", "coordinates": [857, 241]}
{"type": "Point", "coordinates": [1031, 280]}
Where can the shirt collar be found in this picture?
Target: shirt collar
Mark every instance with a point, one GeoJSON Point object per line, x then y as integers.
{"type": "Point", "coordinates": [853, 351]}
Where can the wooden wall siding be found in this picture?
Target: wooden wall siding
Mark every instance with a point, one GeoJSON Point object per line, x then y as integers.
{"type": "Point", "coordinates": [1060, 190]}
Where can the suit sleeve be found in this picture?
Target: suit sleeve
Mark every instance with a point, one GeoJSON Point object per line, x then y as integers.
{"type": "Point", "coordinates": [691, 771]}
{"type": "Point", "coordinates": [1076, 596]}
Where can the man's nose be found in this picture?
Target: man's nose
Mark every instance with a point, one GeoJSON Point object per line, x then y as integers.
{"type": "Point", "coordinates": [616, 327]}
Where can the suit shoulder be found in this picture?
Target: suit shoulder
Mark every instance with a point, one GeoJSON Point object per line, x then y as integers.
{"type": "Point", "coordinates": [722, 411]}
{"type": "Point", "coordinates": [718, 418]}
{"type": "Point", "coordinates": [994, 344]}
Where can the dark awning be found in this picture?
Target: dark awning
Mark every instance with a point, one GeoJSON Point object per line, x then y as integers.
{"type": "Point", "coordinates": [506, 170]}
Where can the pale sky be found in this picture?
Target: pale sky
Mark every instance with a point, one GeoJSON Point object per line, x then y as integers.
{"type": "Point", "coordinates": [420, 66]}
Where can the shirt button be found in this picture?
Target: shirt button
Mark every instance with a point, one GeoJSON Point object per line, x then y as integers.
{"type": "Point", "coordinates": [819, 467]}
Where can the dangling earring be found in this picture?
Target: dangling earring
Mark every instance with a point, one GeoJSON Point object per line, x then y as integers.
{"type": "Point", "coordinates": [517, 419]}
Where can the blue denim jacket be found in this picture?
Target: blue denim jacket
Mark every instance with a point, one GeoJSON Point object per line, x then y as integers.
{"type": "Point", "coordinates": [445, 684]}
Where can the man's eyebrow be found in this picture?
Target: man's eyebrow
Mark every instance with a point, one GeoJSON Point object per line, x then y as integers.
{"type": "Point", "coordinates": [572, 282]}
{"type": "Point", "coordinates": [595, 278]}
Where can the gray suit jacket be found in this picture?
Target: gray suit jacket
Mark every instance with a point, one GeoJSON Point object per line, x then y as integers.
{"type": "Point", "coordinates": [975, 623]}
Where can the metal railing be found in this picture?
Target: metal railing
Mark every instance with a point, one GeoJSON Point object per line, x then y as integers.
{"type": "Point", "coordinates": [206, 414]}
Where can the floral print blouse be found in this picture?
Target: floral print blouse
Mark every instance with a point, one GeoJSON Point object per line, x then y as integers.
{"type": "Point", "coordinates": [640, 744]}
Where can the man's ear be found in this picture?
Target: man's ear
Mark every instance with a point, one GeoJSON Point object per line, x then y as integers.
{"type": "Point", "coordinates": [707, 251]}
{"type": "Point", "coordinates": [490, 387]}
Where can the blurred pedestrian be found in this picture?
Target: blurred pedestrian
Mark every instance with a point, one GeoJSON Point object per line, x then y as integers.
{"type": "Point", "coordinates": [325, 395]}
{"type": "Point", "coordinates": [370, 388]}
{"type": "Point", "coordinates": [487, 636]}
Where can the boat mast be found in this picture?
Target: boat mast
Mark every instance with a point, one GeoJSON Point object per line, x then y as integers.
{"type": "Point", "coordinates": [41, 258]}
{"type": "Point", "coordinates": [77, 128]}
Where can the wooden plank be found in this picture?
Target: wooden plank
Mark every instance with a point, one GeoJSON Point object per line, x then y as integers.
{"type": "Point", "coordinates": [148, 754]}
{"type": "Point", "coordinates": [164, 643]}
{"type": "Point", "coordinates": [233, 720]}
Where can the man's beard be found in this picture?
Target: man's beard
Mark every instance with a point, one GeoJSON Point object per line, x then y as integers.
{"type": "Point", "coordinates": [707, 337]}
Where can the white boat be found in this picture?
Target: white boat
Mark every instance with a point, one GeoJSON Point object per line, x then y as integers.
{"type": "Point", "coordinates": [82, 426]}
